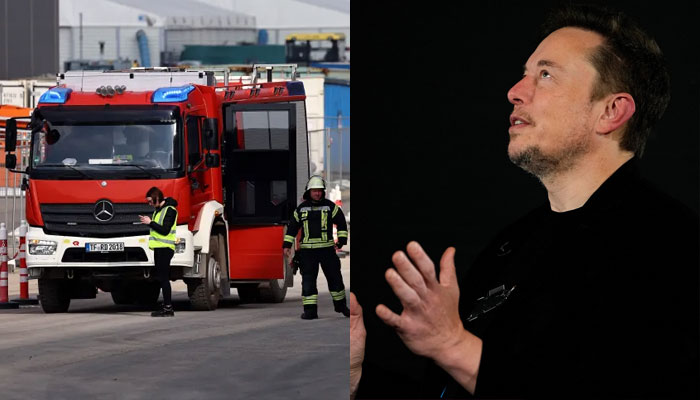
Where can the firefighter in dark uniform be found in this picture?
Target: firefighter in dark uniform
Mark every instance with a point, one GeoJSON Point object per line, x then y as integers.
{"type": "Point", "coordinates": [316, 216]}
{"type": "Point", "coordinates": [162, 242]}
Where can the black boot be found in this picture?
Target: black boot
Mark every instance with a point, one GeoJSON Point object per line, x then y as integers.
{"type": "Point", "coordinates": [310, 312]}
{"type": "Point", "coordinates": [341, 307]}
{"type": "Point", "coordinates": [166, 311]}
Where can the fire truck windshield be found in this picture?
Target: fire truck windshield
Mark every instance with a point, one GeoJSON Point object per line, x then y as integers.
{"type": "Point", "coordinates": [97, 147]}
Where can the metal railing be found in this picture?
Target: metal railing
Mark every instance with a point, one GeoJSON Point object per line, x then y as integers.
{"type": "Point", "coordinates": [12, 197]}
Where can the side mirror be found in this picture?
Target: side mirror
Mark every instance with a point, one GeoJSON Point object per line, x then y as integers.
{"type": "Point", "coordinates": [209, 134]}
{"type": "Point", "coordinates": [10, 135]}
{"type": "Point", "coordinates": [212, 160]}
{"type": "Point", "coordinates": [10, 161]}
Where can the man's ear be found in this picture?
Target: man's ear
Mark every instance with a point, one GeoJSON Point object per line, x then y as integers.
{"type": "Point", "coordinates": [619, 108]}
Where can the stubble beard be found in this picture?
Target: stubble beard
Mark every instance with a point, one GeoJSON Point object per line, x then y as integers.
{"type": "Point", "coordinates": [546, 166]}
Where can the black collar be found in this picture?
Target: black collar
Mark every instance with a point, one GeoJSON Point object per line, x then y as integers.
{"type": "Point", "coordinates": [614, 190]}
{"type": "Point", "coordinates": [616, 187]}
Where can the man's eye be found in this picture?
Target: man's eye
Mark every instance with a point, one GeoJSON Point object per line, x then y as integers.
{"type": "Point", "coordinates": [544, 74]}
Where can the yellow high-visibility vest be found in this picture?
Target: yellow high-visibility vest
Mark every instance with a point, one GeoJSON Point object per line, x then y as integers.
{"type": "Point", "coordinates": [157, 240]}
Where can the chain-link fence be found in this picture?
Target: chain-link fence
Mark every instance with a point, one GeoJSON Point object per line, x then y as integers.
{"type": "Point", "coordinates": [329, 148]}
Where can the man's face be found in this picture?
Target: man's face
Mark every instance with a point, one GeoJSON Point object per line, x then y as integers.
{"type": "Point", "coordinates": [553, 119]}
{"type": "Point", "coordinates": [316, 194]}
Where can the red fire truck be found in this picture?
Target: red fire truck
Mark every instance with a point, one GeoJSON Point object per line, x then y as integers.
{"type": "Point", "coordinates": [233, 154]}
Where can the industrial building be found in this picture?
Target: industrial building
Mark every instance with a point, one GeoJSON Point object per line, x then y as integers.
{"type": "Point", "coordinates": [116, 34]}
{"type": "Point", "coordinates": [154, 33]}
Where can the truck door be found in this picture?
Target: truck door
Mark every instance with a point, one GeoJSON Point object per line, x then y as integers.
{"type": "Point", "coordinates": [266, 157]}
{"type": "Point", "coordinates": [201, 188]}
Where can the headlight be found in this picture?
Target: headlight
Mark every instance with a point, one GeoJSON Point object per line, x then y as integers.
{"type": "Point", "coordinates": [180, 245]}
{"type": "Point", "coordinates": [42, 247]}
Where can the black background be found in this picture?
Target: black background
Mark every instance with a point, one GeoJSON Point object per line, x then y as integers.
{"type": "Point", "coordinates": [429, 158]}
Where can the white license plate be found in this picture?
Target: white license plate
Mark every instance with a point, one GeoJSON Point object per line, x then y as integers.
{"type": "Point", "coordinates": [104, 247]}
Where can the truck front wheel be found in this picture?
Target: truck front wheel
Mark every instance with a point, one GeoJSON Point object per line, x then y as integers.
{"type": "Point", "coordinates": [205, 293]}
{"type": "Point", "coordinates": [53, 295]}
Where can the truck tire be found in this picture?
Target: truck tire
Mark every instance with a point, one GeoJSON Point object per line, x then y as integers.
{"type": "Point", "coordinates": [121, 295]}
{"type": "Point", "coordinates": [205, 293]}
{"type": "Point", "coordinates": [277, 289]}
{"type": "Point", "coordinates": [53, 296]}
{"type": "Point", "coordinates": [273, 291]}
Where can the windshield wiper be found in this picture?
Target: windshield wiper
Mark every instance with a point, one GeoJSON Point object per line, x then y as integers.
{"type": "Point", "coordinates": [141, 168]}
{"type": "Point", "coordinates": [69, 166]}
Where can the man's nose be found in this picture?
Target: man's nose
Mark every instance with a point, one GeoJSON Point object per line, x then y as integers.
{"type": "Point", "coordinates": [521, 92]}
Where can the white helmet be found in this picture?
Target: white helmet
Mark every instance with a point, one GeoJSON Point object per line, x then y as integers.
{"type": "Point", "coordinates": [316, 182]}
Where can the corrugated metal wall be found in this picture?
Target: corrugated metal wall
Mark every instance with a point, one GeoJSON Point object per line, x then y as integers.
{"type": "Point", "coordinates": [120, 42]}
{"type": "Point", "coordinates": [65, 41]}
{"type": "Point", "coordinates": [28, 38]}
{"type": "Point", "coordinates": [176, 39]}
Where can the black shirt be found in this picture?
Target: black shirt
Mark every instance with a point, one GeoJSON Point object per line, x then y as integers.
{"type": "Point", "coordinates": [603, 299]}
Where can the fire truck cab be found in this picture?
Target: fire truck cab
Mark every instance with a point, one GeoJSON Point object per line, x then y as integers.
{"type": "Point", "coordinates": [234, 155]}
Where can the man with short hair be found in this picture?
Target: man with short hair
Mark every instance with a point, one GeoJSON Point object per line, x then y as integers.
{"type": "Point", "coordinates": [593, 294]}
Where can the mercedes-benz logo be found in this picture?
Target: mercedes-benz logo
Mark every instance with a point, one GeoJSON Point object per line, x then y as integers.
{"type": "Point", "coordinates": [104, 210]}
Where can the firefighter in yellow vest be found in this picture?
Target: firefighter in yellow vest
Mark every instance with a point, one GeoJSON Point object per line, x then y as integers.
{"type": "Point", "coordinates": [162, 242]}
{"type": "Point", "coordinates": [316, 216]}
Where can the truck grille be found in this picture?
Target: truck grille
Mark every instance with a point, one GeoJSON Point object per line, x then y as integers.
{"type": "Point", "coordinates": [80, 220]}
{"type": "Point", "coordinates": [80, 255]}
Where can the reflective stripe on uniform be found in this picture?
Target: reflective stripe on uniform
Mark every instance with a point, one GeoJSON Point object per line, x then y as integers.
{"type": "Point", "coordinates": [342, 234]}
{"type": "Point", "coordinates": [162, 240]}
{"type": "Point", "coordinates": [316, 245]}
{"type": "Point", "coordinates": [335, 211]}
{"type": "Point", "coordinates": [307, 300]}
{"type": "Point", "coordinates": [314, 208]}
{"type": "Point", "coordinates": [324, 225]}
{"type": "Point", "coordinates": [289, 239]}
{"type": "Point", "coordinates": [296, 215]}
{"type": "Point", "coordinates": [306, 231]}
{"type": "Point", "coordinates": [338, 295]}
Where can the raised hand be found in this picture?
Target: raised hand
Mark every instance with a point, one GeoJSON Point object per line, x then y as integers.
{"type": "Point", "coordinates": [429, 324]}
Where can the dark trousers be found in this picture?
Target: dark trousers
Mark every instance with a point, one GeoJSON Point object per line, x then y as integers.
{"type": "Point", "coordinates": [162, 256]}
{"type": "Point", "coordinates": [310, 258]}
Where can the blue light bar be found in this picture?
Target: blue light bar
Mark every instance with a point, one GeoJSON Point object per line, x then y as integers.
{"type": "Point", "coordinates": [57, 95]}
{"type": "Point", "coordinates": [172, 94]}
{"type": "Point", "coordinates": [296, 88]}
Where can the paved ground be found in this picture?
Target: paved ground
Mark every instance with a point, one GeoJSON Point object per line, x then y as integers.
{"type": "Point", "coordinates": [240, 351]}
